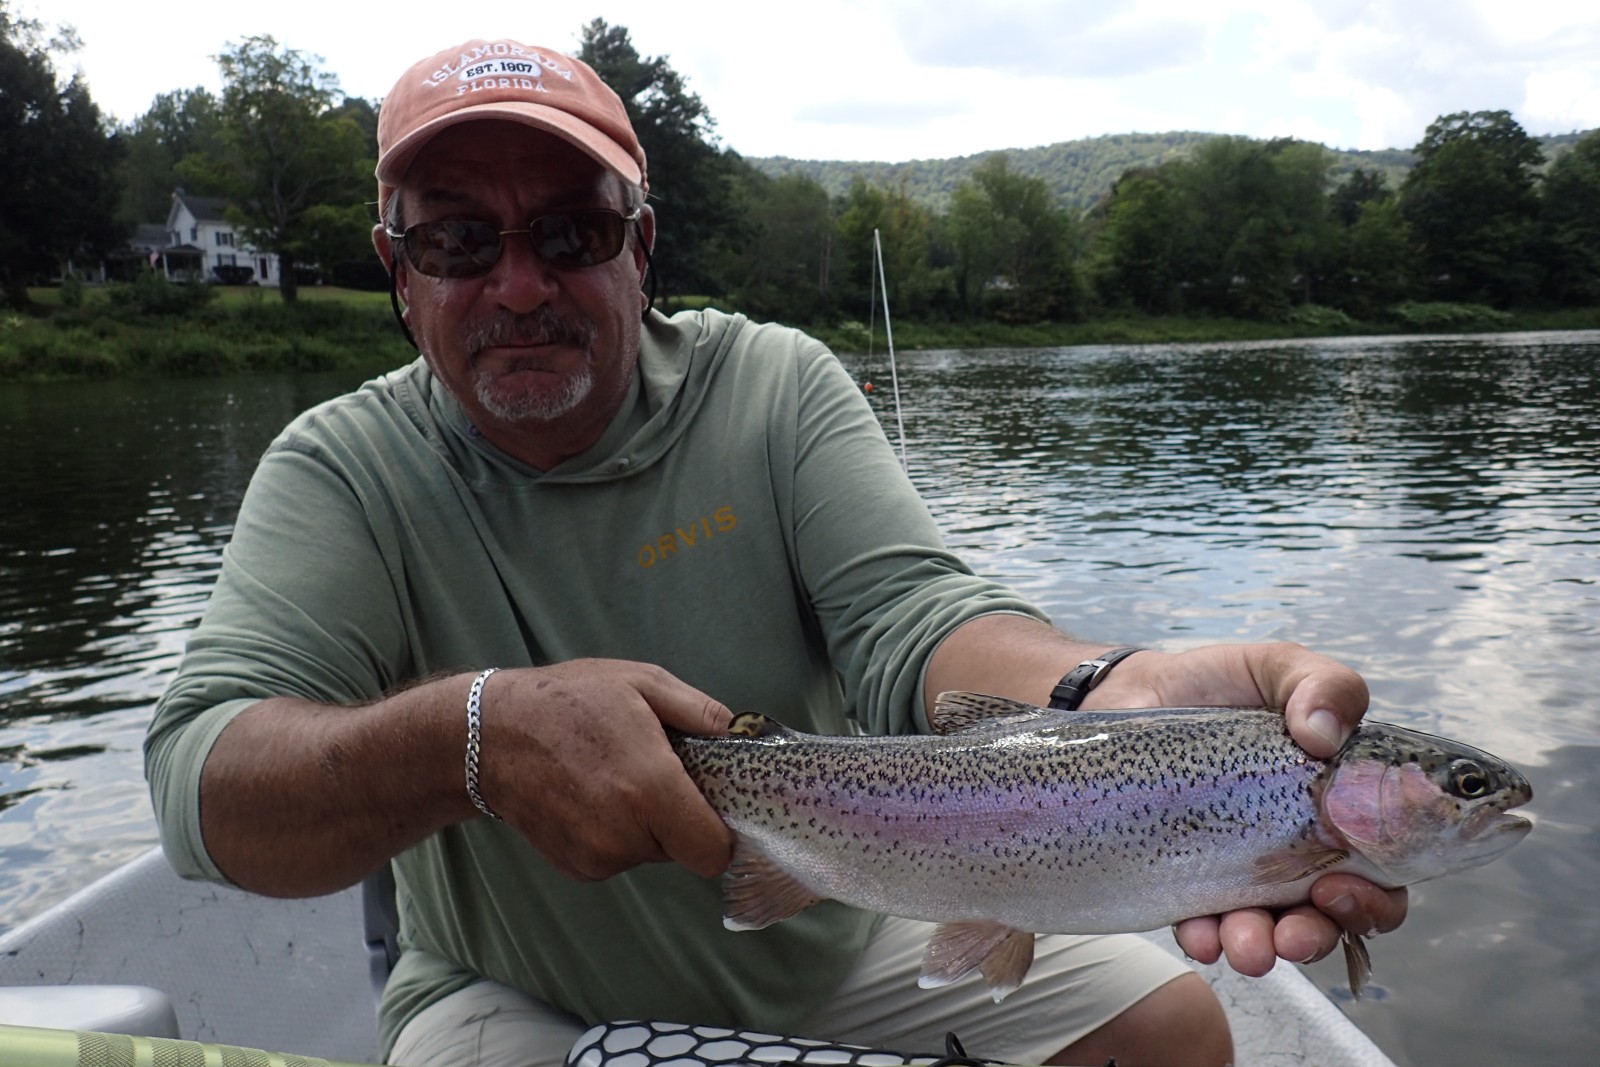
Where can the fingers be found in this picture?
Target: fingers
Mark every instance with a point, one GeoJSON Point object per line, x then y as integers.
{"type": "Point", "coordinates": [1253, 939]}
{"type": "Point", "coordinates": [1322, 699]}
{"type": "Point", "coordinates": [1357, 905]}
{"type": "Point", "coordinates": [690, 832]}
{"type": "Point", "coordinates": [579, 764]}
{"type": "Point", "coordinates": [680, 705]}
{"type": "Point", "coordinates": [1247, 941]}
{"type": "Point", "coordinates": [1200, 938]}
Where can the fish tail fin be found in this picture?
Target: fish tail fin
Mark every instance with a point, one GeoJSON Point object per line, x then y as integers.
{"type": "Point", "coordinates": [757, 892]}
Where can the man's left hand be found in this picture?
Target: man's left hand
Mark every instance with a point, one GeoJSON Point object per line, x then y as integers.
{"type": "Point", "coordinates": [1322, 701]}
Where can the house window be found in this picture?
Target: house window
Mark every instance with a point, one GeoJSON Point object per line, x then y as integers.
{"type": "Point", "coordinates": [224, 239]}
{"type": "Point", "coordinates": [194, 233]}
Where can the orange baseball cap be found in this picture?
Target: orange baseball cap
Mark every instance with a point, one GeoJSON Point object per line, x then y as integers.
{"type": "Point", "coordinates": [504, 79]}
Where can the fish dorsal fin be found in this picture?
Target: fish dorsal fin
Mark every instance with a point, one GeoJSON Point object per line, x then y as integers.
{"type": "Point", "coordinates": [751, 724]}
{"type": "Point", "coordinates": [954, 712]}
{"type": "Point", "coordinates": [956, 949]}
{"type": "Point", "coordinates": [756, 892]}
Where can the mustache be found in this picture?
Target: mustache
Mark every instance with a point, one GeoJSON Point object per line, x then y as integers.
{"type": "Point", "coordinates": [542, 326]}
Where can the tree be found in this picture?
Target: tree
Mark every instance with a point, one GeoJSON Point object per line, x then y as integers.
{"type": "Point", "coordinates": [1138, 252]}
{"type": "Point", "coordinates": [1373, 264]}
{"type": "Point", "coordinates": [1009, 234]}
{"type": "Point", "coordinates": [903, 229]}
{"type": "Point", "coordinates": [1570, 224]}
{"type": "Point", "coordinates": [691, 179]}
{"type": "Point", "coordinates": [785, 270]}
{"type": "Point", "coordinates": [289, 145]}
{"type": "Point", "coordinates": [1472, 204]}
{"type": "Point", "coordinates": [57, 162]}
{"type": "Point", "coordinates": [1379, 259]}
{"type": "Point", "coordinates": [178, 125]}
{"type": "Point", "coordinates": [1302, 197]}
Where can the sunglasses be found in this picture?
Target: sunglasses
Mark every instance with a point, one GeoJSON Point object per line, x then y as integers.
{"type": "Point", "coordinates": [468, 248]}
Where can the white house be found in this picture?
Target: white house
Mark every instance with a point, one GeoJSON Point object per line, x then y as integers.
{"type": "Point", "coordinates": [200, 239]}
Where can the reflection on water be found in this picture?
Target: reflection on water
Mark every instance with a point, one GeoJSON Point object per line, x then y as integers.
{"type": "Point", "coordinates": [1427, 510]}
{"type": "Point", "coordinates": [118, 498]}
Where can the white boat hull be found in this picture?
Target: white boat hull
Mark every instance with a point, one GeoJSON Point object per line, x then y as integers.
{"type": "Point", "coordinates": [294, 976]}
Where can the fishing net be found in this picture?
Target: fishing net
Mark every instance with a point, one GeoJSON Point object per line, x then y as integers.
{"type": "Point", "coordinates": [658, 1044]}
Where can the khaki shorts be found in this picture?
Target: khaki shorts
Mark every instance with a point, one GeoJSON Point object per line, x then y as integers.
{"type": "Point", "coordinates": [1076, 985]}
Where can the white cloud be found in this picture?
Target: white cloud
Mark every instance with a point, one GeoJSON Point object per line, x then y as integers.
{"type": "Point", "coordinates": [902, 79]}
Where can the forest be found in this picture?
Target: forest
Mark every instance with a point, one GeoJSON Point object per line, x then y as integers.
{"type": "Point", "coordinates": [1478, 215]}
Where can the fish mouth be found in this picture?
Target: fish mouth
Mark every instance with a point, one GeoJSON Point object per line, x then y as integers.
{"type": "Point", "coordinates": [1500, 822]}
{"type": "Point", "coordinates": [1497, 821]}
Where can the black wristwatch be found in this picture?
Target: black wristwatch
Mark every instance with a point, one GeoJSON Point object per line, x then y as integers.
{"type": "Point", "coordinates": [1070, 691]}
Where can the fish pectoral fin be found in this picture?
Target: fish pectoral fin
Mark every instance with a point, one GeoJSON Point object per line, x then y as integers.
{"type": "Point", "coordinates": [1357, 963]}
{"type": "Point", "coordinates": [756, 892]}
{"type": "Point", "coordinates": [1296, 862]}
{"type": "Point", "coordinates": [954, 712]}
{"type": "Point", "coordinates": [955, 950]}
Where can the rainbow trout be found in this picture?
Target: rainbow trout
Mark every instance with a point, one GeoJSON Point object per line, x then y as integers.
{"type": "Point", "coordinates": [1013, 820]}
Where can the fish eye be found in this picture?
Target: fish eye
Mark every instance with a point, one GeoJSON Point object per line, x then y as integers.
{"type": "Point", "coordinates": [1468, 780]}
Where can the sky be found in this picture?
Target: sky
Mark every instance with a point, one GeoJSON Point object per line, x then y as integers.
{"type": "Point", "coordinates": [894, 80]}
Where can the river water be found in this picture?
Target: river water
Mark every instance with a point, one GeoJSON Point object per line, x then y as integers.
{"type": "Point", "coordinates": [1425, 509]}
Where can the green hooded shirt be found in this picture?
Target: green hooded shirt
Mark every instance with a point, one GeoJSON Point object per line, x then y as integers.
{"type": "Point", "coordinates": [742, 522]}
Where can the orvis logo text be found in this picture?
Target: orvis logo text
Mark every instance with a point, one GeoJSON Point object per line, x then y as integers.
{"type": "Point", "coordinates": [696, 534]}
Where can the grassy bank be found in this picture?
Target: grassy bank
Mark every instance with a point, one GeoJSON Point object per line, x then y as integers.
{"type": "Point", "coordinates": [1135, 330]}
{"type": "Point", "coordinates": [174, 334]}
{"type": "Point", "coordinates": [164, 330]}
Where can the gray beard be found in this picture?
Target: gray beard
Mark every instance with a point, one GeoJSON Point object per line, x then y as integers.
{"type": "Point", "coordinates": [537, 407]}
{"type": "Point", "coordinates": [543, 326]}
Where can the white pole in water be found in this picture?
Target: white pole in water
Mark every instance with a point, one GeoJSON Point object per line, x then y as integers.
{"type": "Point", "coordinates": [888, 333]}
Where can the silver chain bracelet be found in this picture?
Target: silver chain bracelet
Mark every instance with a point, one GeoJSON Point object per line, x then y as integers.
{"type": "Point", "coordinates": [475, 741]}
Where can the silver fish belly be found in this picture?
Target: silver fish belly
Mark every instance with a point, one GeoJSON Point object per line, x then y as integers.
{"type": "Point", "coordinates": [1020, 820]}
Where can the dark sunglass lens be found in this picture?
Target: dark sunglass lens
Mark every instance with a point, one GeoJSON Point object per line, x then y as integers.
{"type": "Point", "coordinates": [454, 248]}
{"type": "Point", "coordinates": [578, 238]}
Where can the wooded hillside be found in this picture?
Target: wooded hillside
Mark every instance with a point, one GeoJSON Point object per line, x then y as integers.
{"type": "Point", "coordinates": [1077, 172]}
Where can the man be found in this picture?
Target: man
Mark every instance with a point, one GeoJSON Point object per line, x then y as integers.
{"type": "Point", "coordinates": [644, 522]}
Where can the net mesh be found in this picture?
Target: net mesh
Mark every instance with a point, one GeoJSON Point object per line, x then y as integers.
{"type": "Point", "coordinates": [636, 1043]}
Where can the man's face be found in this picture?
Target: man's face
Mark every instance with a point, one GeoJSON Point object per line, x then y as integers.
{"type": "Point", "coordinates": [539, 358]}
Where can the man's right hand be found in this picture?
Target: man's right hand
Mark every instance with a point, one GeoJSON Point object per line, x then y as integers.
{"type": "Point", "coordinates": [300, 799]}
{"type": "Point", "coordinates": [575, 758]}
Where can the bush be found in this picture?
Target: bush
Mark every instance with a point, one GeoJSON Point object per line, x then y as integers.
{"type": "Point", "coordinates": [1319, 317]}
{"type": "Point", "coordinates": [151, 294]}
{"type": "Point", "coordinates": [1417, 315]}
{"type": "Point", "coordinates": [71, 290]}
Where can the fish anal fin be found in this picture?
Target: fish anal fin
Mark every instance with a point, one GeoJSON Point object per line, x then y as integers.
{"type": "Point", "coordinates": [1006, 967]}
{"type": "Point", "coordinates": [955, 711]}
{"type": "Point", "coordinates": [1296, 862]}
{"type": "Point", "coordinates": [1357, 963]}
{"type": "Point", "coordinates": [955, 950]}
{"type": "Point", "coordinates": [756, 892]}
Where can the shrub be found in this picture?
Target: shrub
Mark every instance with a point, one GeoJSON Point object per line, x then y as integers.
{"type": "Point", "coordinates": [71, 290]}
{"type": "Point", "coordinates": [151, 294]}
{"type": "Point", "coordinates": [1417, 315]}
{"type": "Point", "coordinates": [1319, 317]}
